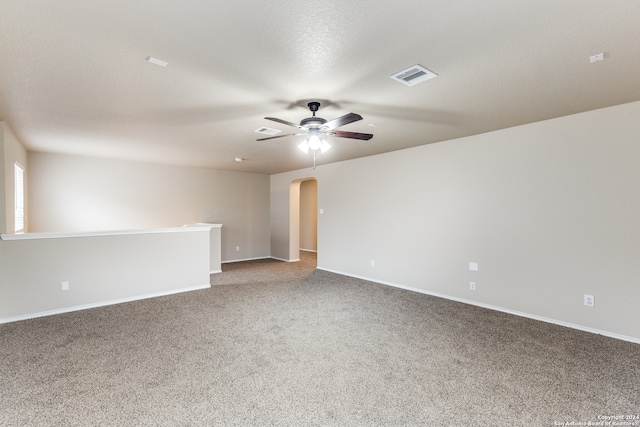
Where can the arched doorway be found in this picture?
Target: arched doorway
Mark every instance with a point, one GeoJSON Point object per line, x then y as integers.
{"type": "Point", "coordinates": [303, 217]}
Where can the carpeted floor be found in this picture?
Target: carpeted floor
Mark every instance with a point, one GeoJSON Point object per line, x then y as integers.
{"type": "Point", "coordinates": [284, 344]}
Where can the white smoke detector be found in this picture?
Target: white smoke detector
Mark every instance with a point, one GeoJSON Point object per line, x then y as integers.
{"type": "Point", "coordinates": [157, 61]}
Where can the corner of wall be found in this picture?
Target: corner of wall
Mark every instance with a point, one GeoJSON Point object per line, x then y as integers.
{"type": "Point", "coordinates": [3, 188]}
{"type": "Point", "coordinates": [11, 151]}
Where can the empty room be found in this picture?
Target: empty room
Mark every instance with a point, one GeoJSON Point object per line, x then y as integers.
{"type": "Point", "coordinates": [420, 213]}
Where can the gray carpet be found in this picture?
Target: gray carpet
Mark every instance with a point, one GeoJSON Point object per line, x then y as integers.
{"type": "Point", "coordinates": [284, 344]}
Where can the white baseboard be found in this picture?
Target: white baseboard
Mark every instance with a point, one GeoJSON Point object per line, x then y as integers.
{"type": "Point", "coordinates": [496, 308]}
{"type": "Point", "coordinates": [245, 259]}
{"type": "Point", "coordinates": [259, 258]}
{"type": "Point", "coordinates": [285, 260]}
{"type": "Point", "coordinates": [309, 250]}
{"type": "Point", "coordinates": [100, 304]}
{"type": "Point", "coordinates": [215, 271]}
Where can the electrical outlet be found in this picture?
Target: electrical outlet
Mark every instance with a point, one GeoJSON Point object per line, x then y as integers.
{"type": "Point", "coordinates": [65, 286]}
{"type": "Point", "coordinates": [373, 263]}
{"type": "Point", "coordinates": [472, 286]}
{"type": "Point", "coordinates": [237, 248]}
{"type": "Point", "coordinates": [589, 300]}
{"type": "Point", "coordinates": [597, 57]}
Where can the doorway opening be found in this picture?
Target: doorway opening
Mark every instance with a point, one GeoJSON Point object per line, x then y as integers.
{"type": "Point", "coordinates": [303, 210]}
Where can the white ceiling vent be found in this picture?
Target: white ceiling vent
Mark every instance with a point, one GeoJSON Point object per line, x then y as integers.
{"type": "Point", "coordinates": [414, 75]}
{"type": "Point", "coordinates": [268, 131]}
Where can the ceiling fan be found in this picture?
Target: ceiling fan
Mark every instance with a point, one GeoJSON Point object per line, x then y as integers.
{"type": "Point", "coordinates": [317, 127]}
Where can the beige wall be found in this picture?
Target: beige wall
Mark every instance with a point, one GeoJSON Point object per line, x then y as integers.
{"type": "Point", "coordinates": [11, 151]}
{"type": "Point", "coordinates": [308, 215]}
{"type": "Point", "coordinates": [549, 211]}
{"type": "Point", "coordinates": [3, 184]}
{"type": "Point", "coordinates": [74, 193]}
{"type": "Point", "coordinates": [280, 220]}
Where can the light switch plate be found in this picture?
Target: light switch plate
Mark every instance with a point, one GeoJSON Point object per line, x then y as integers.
{"type": "Point", "coordinates": [473, 266]}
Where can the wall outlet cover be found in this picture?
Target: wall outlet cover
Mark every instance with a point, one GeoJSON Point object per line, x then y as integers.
{"type": "Point", "coordinates": [589, 300]}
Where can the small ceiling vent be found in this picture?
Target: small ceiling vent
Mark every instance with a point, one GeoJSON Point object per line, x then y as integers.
{"type": "Point", "coordinates": [268, 131]}
{"type": "Point", "coordinates": [414, 75]}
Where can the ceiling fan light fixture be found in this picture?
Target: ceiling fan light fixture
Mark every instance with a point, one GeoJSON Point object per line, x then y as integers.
{"type": "Point", "coordinates": [324, 146]}
{"type": "Point", "coordinates": [317, 127]}
{"type": "Point", "coordinates": [304, 146]}
{"type": "Point", "coordinates": [314, 140]}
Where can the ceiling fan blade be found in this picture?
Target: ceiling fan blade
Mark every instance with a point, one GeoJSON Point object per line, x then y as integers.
{"type": "Point", "coordinates": [343, 120]}
{"type": "Point", "coordinates": [279, 136]}
{"type": "Point", "coordinates": [284, 122]}
{"type": "Point", "coordinates": [352, 135]}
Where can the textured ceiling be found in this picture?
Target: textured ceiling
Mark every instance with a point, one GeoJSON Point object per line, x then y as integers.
{"type": "Point", "coordinates": [74, 79]}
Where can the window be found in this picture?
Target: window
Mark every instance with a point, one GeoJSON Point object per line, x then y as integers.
{"type": "Point", "coordinates": [19, 191]}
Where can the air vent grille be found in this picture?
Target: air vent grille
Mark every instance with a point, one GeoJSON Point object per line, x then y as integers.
{"type": "Point", "coordinates": [413, 75]}
{"type": "Point", "coordinates": [267, 131]}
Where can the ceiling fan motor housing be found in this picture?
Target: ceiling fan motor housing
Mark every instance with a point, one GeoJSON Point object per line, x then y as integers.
{"type": "Point", "coordinates": [310, 122]}
{"type": "Point", "coordinates": [313, 122]}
